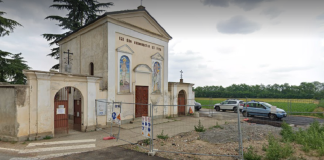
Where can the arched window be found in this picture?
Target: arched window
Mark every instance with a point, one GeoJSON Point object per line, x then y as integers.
{"type": "Point", "coordinates": [91, 69]}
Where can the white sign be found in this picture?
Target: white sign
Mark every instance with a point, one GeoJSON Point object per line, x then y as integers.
{"type": "Point", "coordinates": [60, 110]}
{"type": "Point", "coordinates": [143, 125]}
{"type": "Point", "coordinates": [118, 119]}
{"type": "Point", "coordinates": [146, 126]}
{"type": "Point", "coordinates": [101, 107]}
{"type": "Point", "coordinates": [61, 106]}
{"type": "Point", "coordinates": [148, 132]}
{"type": "Point", "coordinates": [273, 109]}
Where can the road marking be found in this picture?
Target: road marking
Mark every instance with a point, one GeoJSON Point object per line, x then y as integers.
{"type": "Point", "coordinates": [57, 148]}
{"type": "Point", "coordinates": [60, 142]}
{"type": "Point", "coordinates": [47, 156]}
{"type": "Point", "coordinates": [9, 149]}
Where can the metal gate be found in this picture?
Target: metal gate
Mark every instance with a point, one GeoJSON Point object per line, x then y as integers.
{"type": "Point", "coordinates": [61, 105]}
{"type": "Point", "coordinates": [77, 115]}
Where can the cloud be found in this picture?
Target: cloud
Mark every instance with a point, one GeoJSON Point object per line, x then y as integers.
{"type": "Point", "coordinates": [272, 12]}
{"type": "Point", "coordinates": [248, 4]}
{"type": "Point", "coordinates": [245, 4]}
{"type": "Point", "coordinates": [219, 3]}
{"type": "Point", "coordinates": [237, 25]}
{"type": "Point", "coordinates": [320, 17]}
{"type": "Point", "coordinates": [292, 68]}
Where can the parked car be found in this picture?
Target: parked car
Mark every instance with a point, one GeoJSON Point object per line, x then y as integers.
{"type": "Point", "coordinates": [197, 106]}
{"type": "Point", "coordinates": [230, 104]}
{"type": "Point", "coordinates": [254, 108]}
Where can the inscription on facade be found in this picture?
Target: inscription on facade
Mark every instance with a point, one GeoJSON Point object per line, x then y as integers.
{"type": "Point", "coordinates": [139, 43]}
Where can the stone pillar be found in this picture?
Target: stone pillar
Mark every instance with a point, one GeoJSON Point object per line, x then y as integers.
{"type": "Point", "coordinates": [45, 113]}
{"type": "Point", "coordinates": [91, 96]}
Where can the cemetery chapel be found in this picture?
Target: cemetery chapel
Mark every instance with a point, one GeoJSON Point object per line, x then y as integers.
{"type": "Point", "coordinates": [121, 56]}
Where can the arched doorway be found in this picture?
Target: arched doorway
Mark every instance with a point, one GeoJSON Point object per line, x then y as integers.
{"type": "Point", "coordinates": [67, 110]}
{"type": "Point", "coordinates": [181, 101]}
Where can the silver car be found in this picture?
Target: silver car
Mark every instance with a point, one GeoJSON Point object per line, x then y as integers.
{"type": "Point", "coordinates": [230, 104]}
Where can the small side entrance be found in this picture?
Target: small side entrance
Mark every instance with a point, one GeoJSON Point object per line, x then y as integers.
{"type": "Point", "coordinates": [77, 115]}
{"type": "Point", "coordinates": [61, 104]}
{"type": "Point", "coordinates": [141, 97]}
{"type": "Point", "coordinates": [181, 101]}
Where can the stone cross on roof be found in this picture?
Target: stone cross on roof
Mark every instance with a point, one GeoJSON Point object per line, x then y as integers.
{"type": "Point", "coordinates": [181, 74]}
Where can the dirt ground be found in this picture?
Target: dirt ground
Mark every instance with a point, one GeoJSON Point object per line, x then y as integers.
{"type": "Point", "coordinates": [218, 143]}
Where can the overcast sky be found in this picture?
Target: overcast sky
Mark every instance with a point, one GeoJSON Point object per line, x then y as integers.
{"type": "Point", "coordinates": [215, 42]}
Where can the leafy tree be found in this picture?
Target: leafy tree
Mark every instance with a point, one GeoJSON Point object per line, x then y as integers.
{"type": "Point", "coordinates": [11, 66]}
{"type": "Point", "coordinates": [80, 13]}
{"type": "Point", "coordinates": [7, 25]}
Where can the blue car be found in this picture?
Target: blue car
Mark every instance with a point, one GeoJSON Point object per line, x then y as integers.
{"type": "Point", "coordinates": [263, 109]}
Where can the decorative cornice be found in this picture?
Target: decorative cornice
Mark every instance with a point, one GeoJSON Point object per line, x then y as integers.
{"type": "Point", "coordinates": [157, 56]}
{"type": "Point", "coordinates": [120, 49]}
{"type": "Point", "coordinates": [138, 67]}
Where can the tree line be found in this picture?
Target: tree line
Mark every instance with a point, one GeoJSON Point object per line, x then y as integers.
{"type": "Point", "coordinates": [306, 90]}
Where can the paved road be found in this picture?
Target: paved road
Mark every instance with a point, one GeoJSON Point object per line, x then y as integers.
{"type": "Point", "coordinates": [111, 153]}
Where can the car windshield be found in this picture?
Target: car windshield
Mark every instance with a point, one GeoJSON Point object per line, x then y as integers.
{"type": "Point", "coordinates": [267, 104]}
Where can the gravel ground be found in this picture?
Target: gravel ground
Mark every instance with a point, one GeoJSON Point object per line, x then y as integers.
{"type": "Point", "coordinates": [220, 142]}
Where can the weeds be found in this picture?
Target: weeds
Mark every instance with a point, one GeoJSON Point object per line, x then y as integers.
{"type": "Point", "coordinates": [200, 127]}
{"type": "Point", "coordinates": [147, 141]}
{"type": "Point", "coordinates": [311, 138]}
{"type": "Point", "coordinates": [218, 126]}
{"type": "Point", "coordinates": [162, 136]}
{"type": "Point", "coordinates": [251, 155]}
{"type": "Point", "coordinates": [47, 137]}
{"type": "Point", "coordinates": [276, 150]}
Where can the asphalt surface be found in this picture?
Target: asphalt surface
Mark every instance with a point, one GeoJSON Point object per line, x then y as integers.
{"type": "Point", "coordinates": [111, 153]}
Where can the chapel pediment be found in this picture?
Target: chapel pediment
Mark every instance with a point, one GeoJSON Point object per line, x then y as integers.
{"type": "Point", "coordinates": [143, 68]}
{"type": "Point", "coordinates": [125, 49]}
{"type": "Point", "coordinates": [157, 56]}
{"type": "Point", "coordinates": [142, 19]}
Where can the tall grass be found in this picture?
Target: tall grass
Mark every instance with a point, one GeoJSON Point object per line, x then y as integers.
{"type": "Point", "coordinates": [312, 138]}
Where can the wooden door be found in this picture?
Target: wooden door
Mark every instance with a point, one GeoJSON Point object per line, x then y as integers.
{"type": "Point", "coordinates": [181, 101]}
{"type": "Point", "coordinates": [61, 119]}
{"type": "Point", "coordinates": [77, 115]}
{"type": "Point", "coordinates": [141, 97]}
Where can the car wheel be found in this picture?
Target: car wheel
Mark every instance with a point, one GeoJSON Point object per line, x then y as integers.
{"type": "Point", "coordinates": [235, 110]}
{"type": "Point", "coordinates": [217, 108]}
{"type": "Point", "coordinates": [223, 110]}
{"type": "Point", "coordinates": [245, 114]}
{"type": "Point", "coordinates": [197, 109]}
{"type": "Point", "coordinates": [272, 116]}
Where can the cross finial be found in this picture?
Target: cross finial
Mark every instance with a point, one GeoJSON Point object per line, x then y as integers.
{"type": "Point", "coordinates": [181, 74]}
{"type": "Point", "coordinates": [68, 52]}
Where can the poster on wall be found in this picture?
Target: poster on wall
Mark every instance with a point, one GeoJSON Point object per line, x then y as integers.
{"type": "Point", "coordinates": [60, 110]}
{"type": "Point", "coordinates": [156, 77]}
{"type": "Point", "coordinates": [101, 107]}
{"type": "Point", "coordinates": [124, 74]}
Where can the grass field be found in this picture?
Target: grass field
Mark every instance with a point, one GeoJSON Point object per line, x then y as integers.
{"type": "Point", "coordinates": [293, 105]}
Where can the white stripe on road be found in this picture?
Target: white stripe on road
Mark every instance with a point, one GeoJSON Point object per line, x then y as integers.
{"type": "Point", "coordinates": [57, 148]}
{"type": "Point", "coordinates": [60, 142]}
{"type": "Point", "coordinates": [47, 156]}
{"type": "Point", "coordinates": [8, 149]}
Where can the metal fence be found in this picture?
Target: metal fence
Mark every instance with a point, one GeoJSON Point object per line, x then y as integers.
{"type": "Point", "coordinates": [229, 132]}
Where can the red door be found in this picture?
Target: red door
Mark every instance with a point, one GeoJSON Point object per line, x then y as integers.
{"type": "Point", "coordinates": [77, 115]}
{"type": "Point", "coordinates": [61, 119]}
{"type": "Point", "coordinates": [141, 97]}
{"type": "Point", "coordinates": [181, 101]}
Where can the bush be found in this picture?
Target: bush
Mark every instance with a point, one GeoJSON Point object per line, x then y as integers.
{"type": "Point", "coordinates": [200, 127]}
{"type": "Point", "coordinates": [276, 151]}
{"type": "Point", "coordinates": [251, 155]}
{"type": "Point", "coordinates": [287, 132]}
{"type": "Point", "coordinates": [147, 141]}
{"type": "Point", "coordinates": [162, 136]}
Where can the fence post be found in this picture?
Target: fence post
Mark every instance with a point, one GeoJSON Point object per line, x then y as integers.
{"type": "Point", "coordinates": [152, 117]}
{"type": "Point", "coordinates": [111, 121]}
{"type": "Point", "coordinates": [240, 135]}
